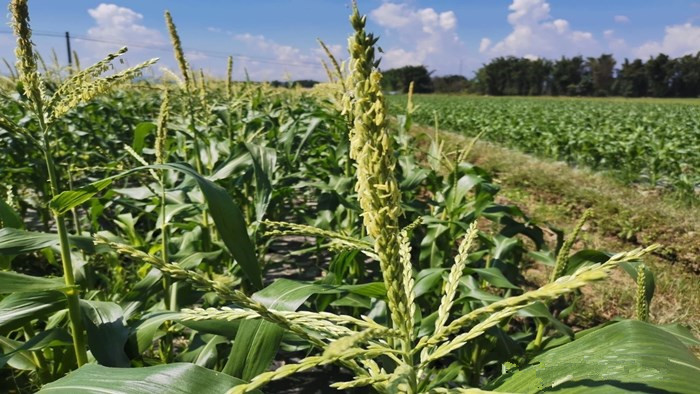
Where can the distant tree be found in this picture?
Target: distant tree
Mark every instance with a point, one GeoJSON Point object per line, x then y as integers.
{"type": "Point", "coordinates": [685, 78]}
{"type": "Point", "coordinates": [660, 76]}
{"type": "Point", "coordinates": [305, 83]}
{"type": "Point", "coordinates": [632, 79]}
{"type": "Point", "coordinates": [398, 79]}
{"type": "Point", "coordinates": [450, 84]}
{"type": "Point", "coordinates": [567, 75]}
{"type": "Point", "coordinates": [602, 74]}
{"type": "Point", "coordinates": [539, 77]}
{"type": "Point", "coordinates": [659, 71]}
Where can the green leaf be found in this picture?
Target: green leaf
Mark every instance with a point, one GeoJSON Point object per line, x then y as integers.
{"type": "Point", "coordinates": [227, 329]}
{"type": "Point", "coordinates": [13, 282]}
{"type": "Point", "coordinates": [142, 335]}
{"type": "Point", "coordinates": [353, 300]}
{"type": "Point", "coordinates": [228, 217]}
{"type": "Point", "coordinates": [539, 309]}
{"type": "Point", "coordinates": [372, 289]}
{"type": "Point", "coordinates": [257, 341]}
{"type": "Point", "coordinates": [14, 241]}
{"type": "Point", "coordinates": [106, 332]}
{"type": "Point", "coordinates": [9, 217]}
{"type": "Point", "coordinates": [68, 200]}
{"type": "Point", "coordinates": [170, 378]}
{"type": "Point", "coordinates": [202, 350]}
{"type": "Point", "coordinates": [584, 256]}
{"type": "Point", "coordinates": [229, 222]}
{"type": "Point", "coordinates": [44, 339]}
{"type": "Point", "coordinates": [682, 333]}
{"type": "Point", "coordinates": [427, 280]}
{"type": "Point", "coordinates": [264, 161]}
{"type": "Point", "coordinates": [494, 276]}
{"type": "Point", "coordinates": [17, 309]}
{"type": "Point", "coordinates": [141, 131]}
{"type": "Point", "coordinates": [21, 360]}
{"type": "Point", "coordinates": [619, 358]}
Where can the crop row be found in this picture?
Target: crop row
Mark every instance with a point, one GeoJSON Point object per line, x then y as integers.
{"type": "Point", "coordinates": [652, 142]}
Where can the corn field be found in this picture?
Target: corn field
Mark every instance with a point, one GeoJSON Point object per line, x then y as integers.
{"type": "Point", "coordinates": [192, 234]}
{"type": "Point", "coordinates": [653, 143]}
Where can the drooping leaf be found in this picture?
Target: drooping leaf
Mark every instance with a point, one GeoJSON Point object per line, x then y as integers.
{"type": "Point", "coordinates": [427, 280]}
{"type": "Point", "coordinates": [106, 332]}
{"type": "Point", "coordinates": [172, 378]}
{"type": "Point", "coordinates": [44, 339]}
{"type": "Point", "coordinates": [372, 289]}
{"type": "Point", "coordinates": [203, 350]}
{"type": "Point", "coordinates": [21, 360]}
{"type": "Point", "coordinates": [629, 356]}
{"type": "Point", "coordinates": [15, 241]}
{"type": "Point", "coordinates": [19, 308]}
{"type": "Point", "coordinates": [13, 282]}
{"type": "Point", "coordinates": [68, 200]}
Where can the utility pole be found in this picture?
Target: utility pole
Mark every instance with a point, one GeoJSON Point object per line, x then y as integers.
{"type": "Point", "coordinates": [70, 56]}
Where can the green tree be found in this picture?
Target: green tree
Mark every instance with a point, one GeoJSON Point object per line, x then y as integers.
{"type": "Point", "coordinates": [659, 70]}
{"type": "Point", "coordinates": [398, 79]}
{"type": "Point", "coordinates": [602, 74]}
{"type": "Point", "coordinates": [632, 79]}
{"type": "Point", "coordinates": [451, 84]}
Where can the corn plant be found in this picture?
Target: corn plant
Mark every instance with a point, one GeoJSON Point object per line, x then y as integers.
{"type": "Point", "coordinates": [396, 271]}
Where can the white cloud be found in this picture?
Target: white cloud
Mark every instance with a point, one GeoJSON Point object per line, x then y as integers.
{"type": "Point", "coordinates": [536, 34]}
{"type": "Point", "coordinates": [484, 44]}
{"type": "Point", "coordinates": [615, 43]}
{"type": "Point", "coordinates": [621, 19]}
{"type": "Point", "coordinates": [194, 56]}
{"type": "Point", "coordinates": [270, 60]}
{"type": "Point", "coordinates": [678, 40]}
{"type": "Point", "coordinates": [119, 25]}
{"type": "Point", "coordinates": [424, 36]}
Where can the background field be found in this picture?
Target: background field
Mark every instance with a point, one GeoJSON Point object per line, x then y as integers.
{"type": "Point", "coordinates": [650, 141]}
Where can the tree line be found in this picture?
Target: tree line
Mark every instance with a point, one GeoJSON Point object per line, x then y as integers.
{"type": "Point", "coordinates": [659, 76]}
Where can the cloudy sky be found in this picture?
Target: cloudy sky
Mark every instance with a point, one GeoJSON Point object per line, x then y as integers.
{"type": "Point", "coordinates": [274, 39]}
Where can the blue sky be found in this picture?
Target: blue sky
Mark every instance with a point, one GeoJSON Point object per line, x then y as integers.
{"type": "Point", "coordinates": [276, 38]}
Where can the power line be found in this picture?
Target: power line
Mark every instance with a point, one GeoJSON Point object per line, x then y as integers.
{"type": "Point", "coordinates": [208, 52]}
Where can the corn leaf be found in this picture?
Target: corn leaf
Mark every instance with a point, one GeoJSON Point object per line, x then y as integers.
{"type": "Point", "coordinates": [171, 378]}
{"type": "Point", "coordinates": [257, 341]}
{"type": "Point", "coordinates": [9, 217]}
{"type": "Point", "coordinates": [620, 358]}
{"type": "Point", "coordinates": [14, 241]}
{"type": "Point", "coordinates": [227, 215]}
{"type": "Point", "coordinates": [20, 308]}
{"type": "Point", "coordinates": [22, 359]}
{"type": "Point", "coordinates": [13, 282]}
{"type": "Point", "coordinates": [264, 162]}
{"type": "Point", "coordinates": [44, 339]}
{"type": "Point", "coordinates": [107, 333]}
